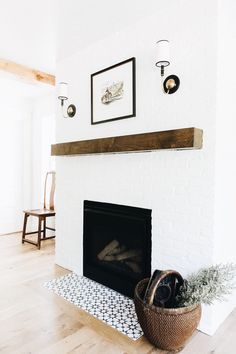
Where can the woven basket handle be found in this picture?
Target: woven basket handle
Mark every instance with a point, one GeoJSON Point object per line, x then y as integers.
{"type": "Point", "coordinates": [149, 298]}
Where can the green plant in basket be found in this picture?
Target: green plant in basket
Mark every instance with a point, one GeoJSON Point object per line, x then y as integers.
{"type": "Point", "coordinates": [207, 285]}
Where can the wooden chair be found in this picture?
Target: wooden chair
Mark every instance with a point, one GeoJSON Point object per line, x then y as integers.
{"type": "Point", "coordinates": [41, 214]}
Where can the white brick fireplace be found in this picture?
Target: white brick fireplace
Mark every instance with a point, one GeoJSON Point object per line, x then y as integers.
{"type": "Point", "coordinates": [181, 187]}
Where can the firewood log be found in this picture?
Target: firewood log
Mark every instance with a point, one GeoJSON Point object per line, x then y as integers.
{"type": "Point", "coordinates": [109, 258]}
{"type": "Point", "coordinates": [134, 254]}
{"type": "Point", "coordinates": [117, 250]}
{"type": "Point", "coordinates": [108, 248]}
{"type": "Point", "coordinates": [128, 254]}
{"type": "Point", "coordinates": [134, 266]}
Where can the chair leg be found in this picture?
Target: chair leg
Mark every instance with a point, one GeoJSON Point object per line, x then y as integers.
{"type": "Point", "coordinates": [24, 227]}
{"type": "Point", "coordinates": [39, 232]}
{"type": "Point", "coordinates": [44, 227]}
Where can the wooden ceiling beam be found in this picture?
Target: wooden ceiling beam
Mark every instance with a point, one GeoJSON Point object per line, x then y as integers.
{"type": "Point", "coordinates": [25, 73]}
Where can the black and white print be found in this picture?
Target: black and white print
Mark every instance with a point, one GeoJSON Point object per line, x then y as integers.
{"type": "Point", "coordinates": [113, 92]}
{"type": "Point", "coordinates": [103, 303]}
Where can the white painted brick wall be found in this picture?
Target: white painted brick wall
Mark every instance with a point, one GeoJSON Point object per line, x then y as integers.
{"type": "Point", "coordinates": [177, 185]}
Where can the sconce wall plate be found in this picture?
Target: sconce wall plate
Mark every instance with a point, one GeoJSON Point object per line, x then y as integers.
{"type": "Point", "coordinates": [71, 110]}
{"type": "Point", "coordinates": [171, 84]}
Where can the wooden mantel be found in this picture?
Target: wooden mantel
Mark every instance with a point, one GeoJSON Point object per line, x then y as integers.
{"type": "Point", "coordinates": [186, 138]}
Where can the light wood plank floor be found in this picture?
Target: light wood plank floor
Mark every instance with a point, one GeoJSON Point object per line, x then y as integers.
{"type": "Point", "coordinates": [33, 320]}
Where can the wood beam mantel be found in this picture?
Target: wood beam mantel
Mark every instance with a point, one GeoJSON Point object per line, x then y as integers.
{"type": "Point", "coordinates": [186, 138]}
{"type": "Point", "coordinates": [25, 73]}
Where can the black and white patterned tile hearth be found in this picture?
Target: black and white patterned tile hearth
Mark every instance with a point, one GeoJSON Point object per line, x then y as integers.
{"type": "Point", "coordinates": [101, 302]}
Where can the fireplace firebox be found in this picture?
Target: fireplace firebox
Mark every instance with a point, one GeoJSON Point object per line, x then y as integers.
{"type": "Point", "coordinates": [117, 245]}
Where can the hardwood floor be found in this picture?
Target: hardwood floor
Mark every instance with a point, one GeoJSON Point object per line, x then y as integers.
{"type": "Point", "coordinates": [33, 320]}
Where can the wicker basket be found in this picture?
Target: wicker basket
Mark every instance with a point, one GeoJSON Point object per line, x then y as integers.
{"type": "Point", "coordinates": [166, 328]}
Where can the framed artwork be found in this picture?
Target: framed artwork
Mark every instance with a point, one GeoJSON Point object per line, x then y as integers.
{"type": "Point", "coordinates": [113, 93]}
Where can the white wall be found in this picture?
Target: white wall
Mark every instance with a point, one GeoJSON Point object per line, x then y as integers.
{"type": "Point", "coordinates": [81, 23]}
{"type": "Point", "coordinates": [14, 123]}
{"type": "Point", "coordinates": [225, 166]}
{"type": "Point", "coordinates": [27, 130]}
{"type": "Point", "coordinates": [177, 185]}
{"type": "Point", "coordinates": [43, 135]}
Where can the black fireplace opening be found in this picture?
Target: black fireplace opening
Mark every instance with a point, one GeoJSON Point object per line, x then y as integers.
{"type": "Point", "coordinates": [116, 245]}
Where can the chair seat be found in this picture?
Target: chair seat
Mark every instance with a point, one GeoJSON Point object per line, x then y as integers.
{"type": "Point", "coordinates": [40, 212]}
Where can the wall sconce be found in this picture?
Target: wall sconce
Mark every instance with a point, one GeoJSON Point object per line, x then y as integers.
{"type": "Point", "coordinates": [172, 82]}
{"type": "Point", "coordinates": [63, 96]}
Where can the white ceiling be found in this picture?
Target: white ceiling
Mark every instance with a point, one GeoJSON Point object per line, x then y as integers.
{"type": "Point", "coordinates": [27, 33]}
{"type": "Point", "coordinates": [36, 33]}
{"type": "Point", "coordinates": [27, 36]}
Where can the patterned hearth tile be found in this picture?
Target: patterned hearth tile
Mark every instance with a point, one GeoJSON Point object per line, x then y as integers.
{"type": "Point", "coordinates": [101, 302]}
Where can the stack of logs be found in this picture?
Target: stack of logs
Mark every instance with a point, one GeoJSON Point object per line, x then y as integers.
{"type": "Point", "coordinates": [115, 252]}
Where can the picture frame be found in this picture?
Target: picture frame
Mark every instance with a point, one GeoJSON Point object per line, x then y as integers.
{"type": "Point", "coordinates": [113, 92]}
